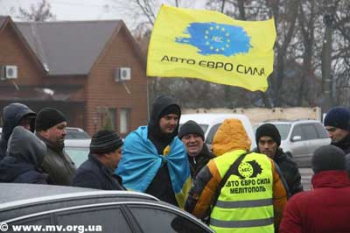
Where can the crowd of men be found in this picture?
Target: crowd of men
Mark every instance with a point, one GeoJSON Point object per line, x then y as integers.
{"type": "Point", "coordinates": [229, 187]}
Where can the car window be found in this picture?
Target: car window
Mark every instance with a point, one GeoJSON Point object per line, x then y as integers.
{"type": "Point", "coordinates": [284, 130]}
{"type": "Point", "coordinates": [211, 133]}
{"type": "Point", "coordinates": [153, 219]}
{"type": "Point", "coordinates": [109, 218]}
{"type": "Point", "coordinates": [75, 134]}
{"type": "Point", "coordinates": [321, 131]}
{"type": "Point", "coordinates": [297, 131]}
{"type": "Point", "coordinates": [77, 154]}
{"type": "Point", "coordinates": [204, 127]}
{"type": "Point", "coordinates": [309, 131]}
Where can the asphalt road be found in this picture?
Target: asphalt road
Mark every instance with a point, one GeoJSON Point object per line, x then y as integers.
{"type": "Point", "coordinates": [306, 174]}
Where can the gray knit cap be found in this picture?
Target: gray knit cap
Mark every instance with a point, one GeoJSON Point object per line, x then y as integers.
{"type": "Point", "coordinates": [328, 158]}
{"type": "Point", "coordinates": [105, 141]}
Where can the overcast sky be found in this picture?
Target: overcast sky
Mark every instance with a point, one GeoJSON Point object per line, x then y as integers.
{"type": "Point", "coordinates": [82, 9]}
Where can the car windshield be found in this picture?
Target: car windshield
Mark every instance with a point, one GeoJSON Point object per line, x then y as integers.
{"type": "Point", "coordinates": [75, 134]}
{"type": "Point", "coordinates": [283, 129]}
{"type": "Point", "coordinates": [77, 154]}
{"type": "Point", "coordinates": [204, 127]}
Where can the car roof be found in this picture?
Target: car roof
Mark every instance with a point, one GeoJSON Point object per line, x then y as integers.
{"type": "Point", "coordinates": [77, 143]}
{"type": "Point", "coordinates": [12, 192]}
{"type": "Point", "coordinates": [75, 129]}
{"type": "Point", "coordinates": [296, 121]}
{"type": "Point", "coordinates": [205, 118]}
{"type": "Point", "coordinates": [31, 198]}
{"type": "Point", "coordinates": [19, 201]}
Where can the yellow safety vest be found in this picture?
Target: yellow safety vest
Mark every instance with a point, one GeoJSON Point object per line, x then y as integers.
{"type": "Point", "coordinates": [245, 203]}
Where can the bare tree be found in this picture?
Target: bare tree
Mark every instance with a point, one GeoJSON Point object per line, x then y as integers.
{"type": "Point", "coordinates": [339, 70]}
{"type": "Point", "coordinates": [39, 12]}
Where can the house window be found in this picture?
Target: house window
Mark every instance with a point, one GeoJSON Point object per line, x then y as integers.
{"type": "Point", "coordinates": [112, 115]}
{"type": "Point", "coordinates": [124, 120]}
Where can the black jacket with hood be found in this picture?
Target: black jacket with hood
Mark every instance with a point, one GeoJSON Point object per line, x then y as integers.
{"type": "Point", "coordinates": [161, 187]}
{"type": "Point", "coordinates": [199, 161]}
{"type": "Point", "coordinates": [289, 170]}
{"type": "Point", "coordinates": [25, 155]}
{"type": "Point", "coordinates": [12, 115]}
{"type": "Point", "coordinates": [343, 144]}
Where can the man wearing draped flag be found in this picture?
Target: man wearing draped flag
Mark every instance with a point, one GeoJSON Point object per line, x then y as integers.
{"type": "Point", "coordinates": [154, 160]}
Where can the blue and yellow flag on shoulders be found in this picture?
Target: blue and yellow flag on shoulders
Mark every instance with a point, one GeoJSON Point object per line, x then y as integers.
{"type": "Point", "coordinates": [211, 46]}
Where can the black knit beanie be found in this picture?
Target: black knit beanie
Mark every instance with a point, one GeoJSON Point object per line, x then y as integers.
{"type": "Point", "coordinates": [328, 158]}
{"type": "Point", "coordinates": [48, 117]}
{"type": "Point", "coordinates": [191, 127]}
{"type": "Point", "coordinates": [105, 141]}
{"type": "Point", "coordinates": [169, 110]}
{"type": "Point", "coordinates": [269, 130]}
{"type": "Point", "coordinates": [338, 117]}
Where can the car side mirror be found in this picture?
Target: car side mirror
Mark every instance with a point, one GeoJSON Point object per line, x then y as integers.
{"type": "Point", "coordinates": [296, 138]}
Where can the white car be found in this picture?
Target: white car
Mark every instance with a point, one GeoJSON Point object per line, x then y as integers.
{"type": "Point", "coordinates": [76, 133]}
{"type": "Point", "coordinates": [300, 138]}
{"type": "Point", "coordinates": [210, 123]}
{"type": "Point", "coordinates": [77, 149]}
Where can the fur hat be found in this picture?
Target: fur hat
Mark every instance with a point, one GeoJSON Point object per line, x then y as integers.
{"type": "Point", "coordinates": [269, 130]}
{"type": "Point", "coordinates": [328, 158]}
{"type": "Point", "coordinates": [191, 127]}
{"type": "Point", "coordinates": [48, 117]}
{"type": "Point", "coordinates": [105, 141]}
{"type": "Point", "coordinates": [338, 117]}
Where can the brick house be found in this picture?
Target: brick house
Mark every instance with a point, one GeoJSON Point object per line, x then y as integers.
{"type": "Point", "coordinates": [93, 71]}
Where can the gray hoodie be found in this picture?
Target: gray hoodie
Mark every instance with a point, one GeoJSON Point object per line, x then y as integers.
{"type": "Point", "coordinates": [24, 155]}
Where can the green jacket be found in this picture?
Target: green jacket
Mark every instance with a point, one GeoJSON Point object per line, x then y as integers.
{"type": "Point", "coordinates": [57, 164]}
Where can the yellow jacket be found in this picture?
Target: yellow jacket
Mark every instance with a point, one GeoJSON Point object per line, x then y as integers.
{"type": "Point", "coordinates": [230, 136]}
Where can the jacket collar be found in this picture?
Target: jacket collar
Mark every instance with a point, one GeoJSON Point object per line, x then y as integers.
{"type": "Point", "coordinates": [343, 144]}
{"type": "Point", "coordinates": [103, 167]}
{"type": "Point", "coordinates": [54, 146]}
{"type": "Point", "coordinates": [280, 155]}
{"type": "Point", "coordinates": [106, 170]}
{"type": "Point", "coordinates": [334, 178]}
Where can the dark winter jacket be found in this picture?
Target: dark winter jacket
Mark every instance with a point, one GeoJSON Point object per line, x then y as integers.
{"type": "Point", "coordinates": [57, 163]}
{"type": "Point", "coordinates": [22, 163]}
{"type": "Point", "coordinates": [324, 209]}
{"type": "Point", "coordinates": [289, 169]}
{"type": "Point", "coordinates": [161, 187]}
{"type": "Point", "coordinates": [93, 174]}
{"type": "Point", "coordinates": [343, 144]}
{"type": "Point", "coordinates": [199, 161]}
{"type": "Point", "coordinates": [12, 115]}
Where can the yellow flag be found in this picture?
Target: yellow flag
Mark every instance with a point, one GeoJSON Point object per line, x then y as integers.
{"type": "Point", "coordinates": [211, 46]}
